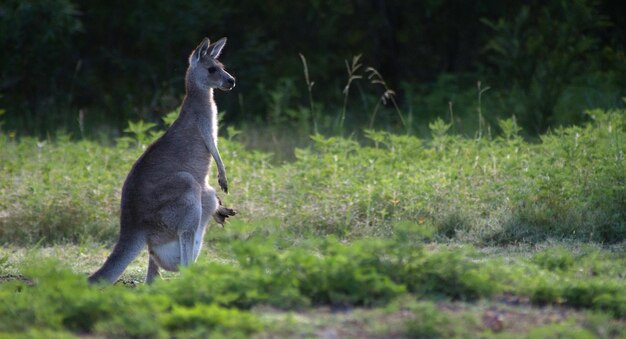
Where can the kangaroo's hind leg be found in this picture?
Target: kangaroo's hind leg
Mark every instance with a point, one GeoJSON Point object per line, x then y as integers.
{"type": "Point", "coordinates": [182, 213]}
{"type": "Point", "coordinates": [153, 270]}
{"type": "Point", "coordinates": [209, 205]}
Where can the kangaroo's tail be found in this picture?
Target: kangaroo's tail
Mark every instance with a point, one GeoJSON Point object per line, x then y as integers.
{"type": "Point", "coordinates": [127, 248]}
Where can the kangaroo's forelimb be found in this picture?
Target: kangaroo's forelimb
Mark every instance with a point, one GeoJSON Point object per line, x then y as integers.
{"type": "Point", "coordinates": [211, 145]}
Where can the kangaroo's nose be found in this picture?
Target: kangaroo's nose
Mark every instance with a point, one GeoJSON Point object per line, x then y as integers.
{"type": "Point", "coordinates": [231, 82]}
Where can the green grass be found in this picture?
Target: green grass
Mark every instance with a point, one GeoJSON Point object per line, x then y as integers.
{"type": "Point", "coordinates": [429, 284]}
{"type": "Point", "coordinates": [503, 190]}
{"type": "Point", "coordinates": [445, 237]}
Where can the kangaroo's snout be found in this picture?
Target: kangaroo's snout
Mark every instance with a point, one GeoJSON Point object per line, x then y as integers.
{"type": "Point", "coordinates": [228, 84]}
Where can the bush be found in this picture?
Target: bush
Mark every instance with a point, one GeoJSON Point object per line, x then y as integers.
{"type": "Point", "coordinates": [210, 320]}
{"type": "Point", "coordinates": [557, 258]}
{"type": "Point", "coordinates": [215, 298]}
{"type": "Point", "coordinates": [429, 322]}
{"type": "Point", "coordinates": [539, 52]}
{"type": "Point", "coordinates": [502, 190]}
{"type": "Point", "coordinates": [56, 299]}
{"type": "Point", "coordinates": [450, 273]}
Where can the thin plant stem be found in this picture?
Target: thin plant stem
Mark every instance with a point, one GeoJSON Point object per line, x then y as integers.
{"type": "Point", "coordinates": [481, 120]}
{"type": "Point", "coordinates": [309, 86]}
{"type": "Point", "coordinates": [451, 115]}
{"type": "Point", "coordinates": [389, 94]}
{"type": "Point", "coordinates": [352, 69]}
{"type": "Point", "coordinates": [371, 125]}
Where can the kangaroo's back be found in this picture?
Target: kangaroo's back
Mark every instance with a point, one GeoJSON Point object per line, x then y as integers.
{"type": "Point", "coordinates": [166, 200]}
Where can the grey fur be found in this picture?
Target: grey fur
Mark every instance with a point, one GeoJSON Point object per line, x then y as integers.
{"type": "Point", "coordinates": [166, 198]}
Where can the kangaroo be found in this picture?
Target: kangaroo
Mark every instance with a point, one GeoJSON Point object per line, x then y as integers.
{"type": "Point", "coordinates": [166, 199]}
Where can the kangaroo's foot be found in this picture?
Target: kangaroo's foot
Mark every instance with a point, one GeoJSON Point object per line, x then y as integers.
{"type": "Point", "coordinates": [222, 213]}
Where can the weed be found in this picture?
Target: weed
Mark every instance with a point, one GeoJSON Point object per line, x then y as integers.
{"type": "Point", "coordinates": [429, 322]}
{"type": "Point", "coordinates": [479, 109]}
{"type": "Point", "coordinates": [603, 326]}
{"type": "Point", "coordinates": [205, 320]}
{"type": "Point", "coordinates": [388, 95]}
{"type": "Point", "coordinates": [309, 87]}
{"type": "Point", "coordinates": [352, 69]}
{"type": "Point", "coordinates": [557, 258]}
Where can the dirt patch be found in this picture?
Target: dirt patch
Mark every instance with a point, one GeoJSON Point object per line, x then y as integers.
{"type": "Point", "coordinates": [506, 314]}
{"type": "Point", "coordinates": [12, 277]}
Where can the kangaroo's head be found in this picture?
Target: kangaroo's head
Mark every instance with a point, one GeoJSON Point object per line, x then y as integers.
{"type": "Point", "coordinates": [205, 71]}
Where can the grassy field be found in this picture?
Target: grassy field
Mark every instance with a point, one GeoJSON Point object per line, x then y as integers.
{"type": "Point", "coordinates": [392, 236]}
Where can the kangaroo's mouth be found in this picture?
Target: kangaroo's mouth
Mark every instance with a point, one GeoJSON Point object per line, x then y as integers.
{"type": "Point", "coordinates": [227, 85]}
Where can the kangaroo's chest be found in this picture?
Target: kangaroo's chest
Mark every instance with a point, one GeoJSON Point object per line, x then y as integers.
{"type": "Point", "coordinates": [183, 150]}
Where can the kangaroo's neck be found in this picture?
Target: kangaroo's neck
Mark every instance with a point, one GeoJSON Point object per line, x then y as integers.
{"type": "Point", "coordinates": [199, 110]}
{"type": "Point", "coordinates": [199, 101]}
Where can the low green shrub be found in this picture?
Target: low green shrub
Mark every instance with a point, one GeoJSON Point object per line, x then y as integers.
{"type": "Point", "coordinates": [215, 298]}
{"type": "Point", "coordinates": [340, 275]}
{"type": "Point", "coordinates": [204, 320]}
{"type": "Point", "coordinates": [591, 281]}
{"type": "Point", "coordinates": [346, 275]}
{"type": "Point", "coordinates": [546, 292]}
{"type": "Point", "coordinates": [56, 299]}
{"type": "Point", "coordinates": [571, 184]}
{"type": "Point", "coordinates": [428, 322]}
{"type": "Point", "coordinates": [603, 326]}
{"type": "Point", "coordinates": [451, 273]}
{"type": "Point", "coordinates": [608, 296]}
{"type": "Point", "coordinates": [557, 258]}
{"type": "Point", "coordinates": [231, 286]}
{"type": "Point", "coordinates": [59, 299]}
{"type": "Point", "coordinates": [367, 272]}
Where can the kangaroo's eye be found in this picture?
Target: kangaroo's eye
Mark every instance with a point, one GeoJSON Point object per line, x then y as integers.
{"type": "Point", "coordinates": [212, 69]}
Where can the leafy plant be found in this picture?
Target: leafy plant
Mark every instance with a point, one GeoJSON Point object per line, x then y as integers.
{"type": "Point", "coordinates": [539, 52]}
{"type": "Point", "coordinates": [428, 322]}
{"type": "Point", "coordinates": [554, 259]}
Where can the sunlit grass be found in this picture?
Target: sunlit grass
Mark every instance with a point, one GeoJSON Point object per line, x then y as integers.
{"type": "Point", "coordinates": [503, 190]}
{"type": "Point", "coordinates": [433, 284]}
{"type": "Point", "coordinates": [439, 232]}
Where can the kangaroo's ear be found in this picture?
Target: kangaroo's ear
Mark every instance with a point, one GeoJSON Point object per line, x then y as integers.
{"type": "Point", "coordinates": [216, 48]}
{"type": "Point", "coordinates": [200, 51]}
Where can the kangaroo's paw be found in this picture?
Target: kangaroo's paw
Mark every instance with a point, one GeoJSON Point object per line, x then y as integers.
{"type": "Point", "coordinates": [221, 179]}
{"type": "Point", "coordinates": [222, 214]}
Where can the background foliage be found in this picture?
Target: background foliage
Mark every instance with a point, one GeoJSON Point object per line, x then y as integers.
{"type": "Point", "coordinates": [487, 190]}
{"type": "Point", "coordinates": [87, 65]}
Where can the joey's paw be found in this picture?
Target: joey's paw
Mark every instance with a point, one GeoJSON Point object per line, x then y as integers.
{"type": "Point", "coordinates": [223, 183]}
{"type": "Point", "coordinates": [222, 213]}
